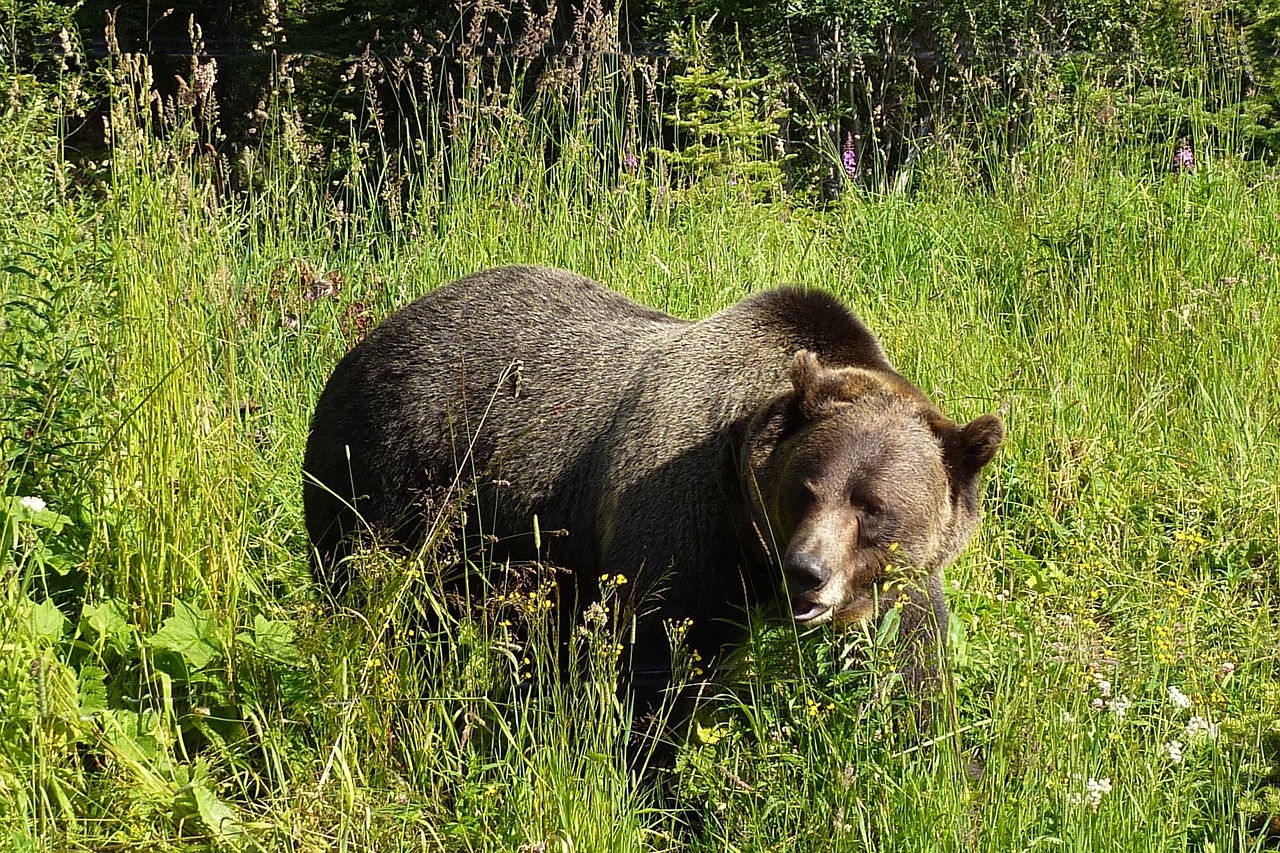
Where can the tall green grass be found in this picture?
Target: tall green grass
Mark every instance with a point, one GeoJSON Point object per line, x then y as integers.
{"type": "Point", "coordinates": [171, 680]}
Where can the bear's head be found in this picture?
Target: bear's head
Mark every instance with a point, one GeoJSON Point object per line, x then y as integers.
{"type": "Point", "coordinates": [858, 480]}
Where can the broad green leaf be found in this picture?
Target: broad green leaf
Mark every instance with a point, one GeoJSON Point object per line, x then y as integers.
{"type": "Point", "coordinates": [218, 817]}
{"type": "Point", "coordinates": [190, 633]}
{"type": "Point", "coordinates": [108, 621]}
{"type": "Point", "coordinates": [47, 620]}
{"type": "Point", "coordinates": [887, 634]}
{"type": "Point", "coordinates": [710, 735]}
{"type": "Point", "coordinates": [271, 638]}
{"type": "Point", "coordinates": [133, 735]}
{"type": "Point", "coordinates": [195, 800]}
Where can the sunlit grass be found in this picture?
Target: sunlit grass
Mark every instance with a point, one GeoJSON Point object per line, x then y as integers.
{"type": "Point", "coordinates": [1123, 322]}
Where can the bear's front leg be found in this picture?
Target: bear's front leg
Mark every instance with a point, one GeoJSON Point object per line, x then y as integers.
{"type": "Point", "coordinates": [922, 638]}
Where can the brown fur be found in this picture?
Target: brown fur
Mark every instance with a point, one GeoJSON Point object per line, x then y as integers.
{"type": "Point", "coordinates": [767, 452]}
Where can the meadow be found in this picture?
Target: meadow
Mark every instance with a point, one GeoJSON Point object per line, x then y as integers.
{"type": "Point", "coordinates": [170, 679]}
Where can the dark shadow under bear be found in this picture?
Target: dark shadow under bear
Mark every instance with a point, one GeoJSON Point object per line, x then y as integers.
{"type": "Point", "coordinates": [767, 453]}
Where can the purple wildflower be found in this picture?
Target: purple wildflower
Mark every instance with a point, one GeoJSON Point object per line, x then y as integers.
{"type": "Point", "coordinates": [1183, 159]}
{"type": "Point", "coordinates": [630, 162]}
{"type": "Point", "coordinates": [849, 157]}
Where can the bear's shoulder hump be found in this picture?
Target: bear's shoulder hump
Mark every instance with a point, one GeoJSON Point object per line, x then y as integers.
{"type": "Point", "coordinates": [817, 320]}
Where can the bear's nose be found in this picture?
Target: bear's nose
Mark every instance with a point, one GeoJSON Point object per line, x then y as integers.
{"type": "Point", "coordinates": [807, 571]}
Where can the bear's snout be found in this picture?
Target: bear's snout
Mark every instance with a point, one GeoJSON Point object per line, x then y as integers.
{"type": "Point", "coordinates": [808, 575]}
{"type": "Point", "coordinates": [807, 571]}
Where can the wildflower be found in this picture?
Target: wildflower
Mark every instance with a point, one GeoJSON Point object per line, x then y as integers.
{"type": "Point", "coordinates": [1174, 748]}
{"type": "Point", "coordinates": [1120, 706]}
{"type": "Point", "coordinates": [848, 776]}
{"type": "Point", "coordinates": [32, 503]}
{"type": "Point", "coordinates": [1199, 728]}
{"type": "Point", "coordinates": [1228, 667]}
{"type": "Point", "coordinates": [1192, 540]}
{"type": "Point", "coordinates": [203, 78]}
{"type": "Point", "coordinates": [1178, 698]}
{"type": "Point", "coordinates": [1068, 718]}
{"type": "Point", "coordinates": [1098, 703]}
{"type": "Point", "coordinates": [849, 157]}
{"type": "Point", "coordinates": [1096, 789]}
{"type": "Point", "coordinates": [630, 162]}
{"type": "Point", "coordinates": [1183, 158]}
{"type": "Point", "coordinates": [66, 52]}
{"type": "Point", "coordinates": [1104, 688]}
{"type": "Point", "coordinates": [597, 616]}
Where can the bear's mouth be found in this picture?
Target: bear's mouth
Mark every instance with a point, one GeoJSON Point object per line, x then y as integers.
{"type": "Point", "coordinates": [807, 612]}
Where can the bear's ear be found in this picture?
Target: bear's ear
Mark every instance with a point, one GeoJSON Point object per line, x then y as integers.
{"type": "Point", "coordinates": [972, 446]}
{"type": "Point", "coordinates": [806, 378]}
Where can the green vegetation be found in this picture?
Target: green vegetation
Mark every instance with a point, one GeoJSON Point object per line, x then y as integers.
{"type": "Point", "coordinates": [169, 678]}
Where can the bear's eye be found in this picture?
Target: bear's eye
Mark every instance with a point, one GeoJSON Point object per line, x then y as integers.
{"type": "Point", "coordinates": [870, 508]}
{"type": "Point", "coordinates": [872, 517]}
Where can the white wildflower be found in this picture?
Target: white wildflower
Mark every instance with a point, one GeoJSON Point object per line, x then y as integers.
{"type": "Point", "coordinates": [1068, 718]}
{"type": "Point", "coordinates": [1096, 789]}
{"type": "Point", "coordinates": [1178, 698]}
{"type": "Point", "coordinates": [1228, 667]}
{"type": "Point", "coordinates": [1174, 748]}
{"type": "Point", "coordinates": [33, 503]}
{"type": "Point", "coordinates": [597, 616]}
{"type": "Point", "coordinates": [1198, 727]}
{"type": "Point", "coordinates": [1098, 703]}
{"type": "Point", "coordinates": [1104, 687]}
{"type": "Point", "coordinates": [1120, 706]}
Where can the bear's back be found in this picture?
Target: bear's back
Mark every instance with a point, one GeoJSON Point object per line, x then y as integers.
{"type": "Point", "coordinates": [552, 382]}
{"type": "Point", "coordinates": [524, 303]}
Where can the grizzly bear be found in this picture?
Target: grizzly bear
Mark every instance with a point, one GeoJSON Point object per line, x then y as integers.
{"type": "Point", "coordinates": [768, 453]}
